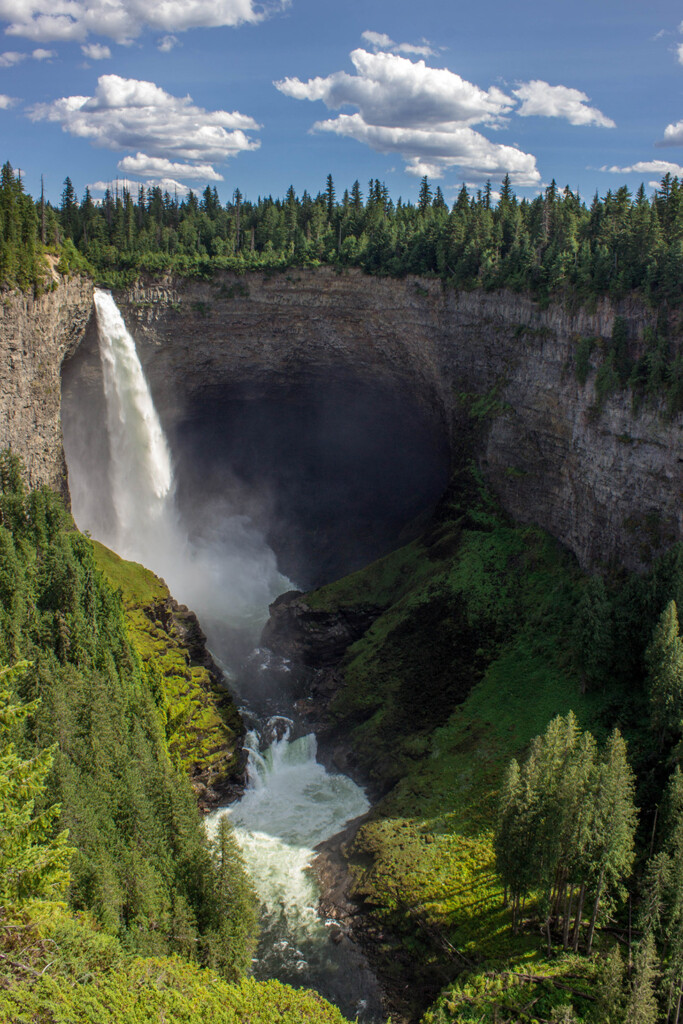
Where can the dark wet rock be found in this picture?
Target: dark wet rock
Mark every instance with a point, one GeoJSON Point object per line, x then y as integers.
{"type": "Point", "coordinates": [311, 637]}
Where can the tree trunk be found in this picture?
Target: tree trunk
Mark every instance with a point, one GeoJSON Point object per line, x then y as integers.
{"type": "Point", "coordinates": [594, 917]}
{"type": "Point", "coordinates": [579, 913]}
{"type": "Point", "coordinates": [567, 915]}
{"type": "Point", "coordinates": [654, 829]}
{"type": "Point", "coordinates": [630, 959]}
{"type": "Point", "coordinates": [678, 1005]}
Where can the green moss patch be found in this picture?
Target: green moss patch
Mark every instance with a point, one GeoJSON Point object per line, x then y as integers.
{"type": "Point", "coordinates": [203, 727]}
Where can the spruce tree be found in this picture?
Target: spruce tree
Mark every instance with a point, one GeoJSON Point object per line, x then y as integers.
{"type": "Point", "coordinates": [641, 1005]}
{"type": "Point", "coordinates": [33, 861]}
{"type": "Point", "coordinates": [664, 661]}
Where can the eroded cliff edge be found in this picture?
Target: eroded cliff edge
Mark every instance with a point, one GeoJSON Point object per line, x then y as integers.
{"type": "Point", "coordinates": [36, 335]}
{"type": "Point", "coordinates": [607, 483]}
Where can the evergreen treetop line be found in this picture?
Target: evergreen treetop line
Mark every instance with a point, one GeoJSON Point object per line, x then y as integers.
{"type": "Point", "coordinates": [551, 244]}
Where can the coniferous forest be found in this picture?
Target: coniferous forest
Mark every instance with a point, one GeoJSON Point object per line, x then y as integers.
{"type": "Point", "coordinates": [557, 243]}
{"type": "Point", "coordinates": [523, 865]}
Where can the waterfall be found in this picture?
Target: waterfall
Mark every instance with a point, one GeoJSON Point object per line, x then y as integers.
{"type": "Point", "coordinates": [228, 574]}
{"type": "Point", "coordinates": [140, 473]}
{"type": "Point", "coordinates": [291, 804]}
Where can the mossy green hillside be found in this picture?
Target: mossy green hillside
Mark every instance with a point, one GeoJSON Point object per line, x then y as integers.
{"type": "Point", "coordinates": [203, 727]}
{"type": "Point", "coordinates": [74, 974]}
{"type": "Point", "coordinates": [474, 653]}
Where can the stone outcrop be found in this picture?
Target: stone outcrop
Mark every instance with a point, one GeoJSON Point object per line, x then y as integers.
{"type": "Point", "coordinates": [36, 334]}
{"type": "Point", "coordinates": [313, 637]}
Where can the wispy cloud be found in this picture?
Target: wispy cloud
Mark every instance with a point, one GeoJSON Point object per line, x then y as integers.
{"type": "Point", "coordinates": [166, 43]}
{"type": "Point", "coordinates": [381, 41]}
{"type": "Point", "coordinates": [647, 167]}
{"type": "Point", "coordinates": [96, 51]}
{"type": "Point", "coordinates": [10, 58]}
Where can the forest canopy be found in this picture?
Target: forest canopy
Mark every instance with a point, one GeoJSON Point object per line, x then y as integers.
{"type": "Point", "coordinates": [552, 243]}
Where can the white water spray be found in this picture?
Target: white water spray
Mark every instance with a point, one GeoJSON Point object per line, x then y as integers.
{"type": "Point", "coordinates": [291, 804]}
{"type": "Point", "coordinates": [229, 576]}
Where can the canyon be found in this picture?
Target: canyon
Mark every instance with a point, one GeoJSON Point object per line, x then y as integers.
{"type": "Point", "coordinates": [446, 377]}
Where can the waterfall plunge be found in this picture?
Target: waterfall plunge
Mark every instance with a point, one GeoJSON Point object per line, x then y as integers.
{"type": "Point", "coordinates": [291, 802]}
{"type": "Point", "coordinates": [228, 577]}
{"type": "Point", "coordinates": [141, 474]}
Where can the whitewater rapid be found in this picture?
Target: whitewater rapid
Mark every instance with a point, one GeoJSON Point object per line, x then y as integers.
{"type": "Point", "coordinates": [229, 577]}
{"type": "Point", "coordinates": [291, 804]}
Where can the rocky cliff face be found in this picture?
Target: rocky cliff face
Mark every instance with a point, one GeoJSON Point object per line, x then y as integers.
{"type": "Point", "coordinates": [607, 483]}
{"type": "Point", "coordinates": [35, 337]}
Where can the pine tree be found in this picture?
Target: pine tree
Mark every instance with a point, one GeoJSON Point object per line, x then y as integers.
{"type": "Point", "coordinates": [33, 862]}
{"type": "Point", "coordinates": [424, 195]}
{"type": "Point", "coordinates": [593, 633]}
{"type": "Point", "coordinates": [231, 943]}
{"type": "Point", "coordinates": [664, 661]}
{"type": "Point", "coordinates": [610, 999]}
{"type": "Point", "coordinates": [641, 1006]}
{"type": "Point", "coordinates": [613, 824]}
{"type": "Point", "coordinates": [330, 196]}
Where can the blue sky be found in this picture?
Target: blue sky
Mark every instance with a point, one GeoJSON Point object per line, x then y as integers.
{"type": "Point", "coordinates": [261, 96]}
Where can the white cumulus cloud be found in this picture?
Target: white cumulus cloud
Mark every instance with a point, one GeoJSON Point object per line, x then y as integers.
{"type": "Point", "coordinates": [539, 99]}
{"type": "Point", "coordinates": [41, 54]}
{"type": "Point", "coordinates": [170, 134]}
{"type": "Point", "coordinates": [647, 167]}
{"type": "Point", "coordinates": [96, 51]}
{"type": "Point", "coordinates": [673, 135]}
{"type": "Point", "coordinates": [165, 184]}
{"type": "Point", "coordinates": [166, 43]}
{"type": "Point", "coordinates": [124, 20]}
{"type": "Point", "coordinates": [424, 114]}
{"type": "Point", "coordinates": [5, 101]}
{"type": "Point", "coordinates": [159, 167]}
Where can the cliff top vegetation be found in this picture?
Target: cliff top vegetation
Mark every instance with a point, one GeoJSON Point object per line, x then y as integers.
{"type": "Point", "coordinates": [554, 244]}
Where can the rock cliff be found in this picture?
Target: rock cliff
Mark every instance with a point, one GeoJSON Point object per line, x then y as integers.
{"type": "Point", "coordinates": [35, 337]}
{"type": "Point", "coordinates": [607, 483]}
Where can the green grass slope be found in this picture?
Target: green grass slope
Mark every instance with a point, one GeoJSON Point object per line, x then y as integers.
{"type": "Point", "coordinates": [203, 728]}
{"type": "Point", "coordinates": [474, 653]}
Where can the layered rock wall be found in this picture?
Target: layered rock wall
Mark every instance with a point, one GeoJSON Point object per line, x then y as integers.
{"type": "Point", "coordinates": [607, 482]}
{"type": "Point", "coordinates": [36, 334]}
